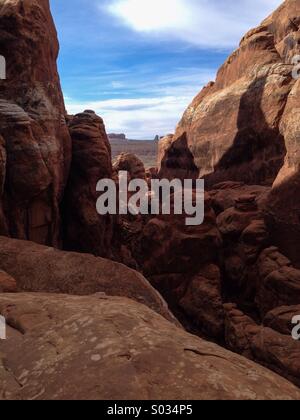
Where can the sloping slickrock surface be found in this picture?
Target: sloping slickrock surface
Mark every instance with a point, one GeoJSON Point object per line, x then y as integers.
{"type": "Point", "coordinates": [37, 268]}
{"type": "Point", "coordinates": [113, 348]}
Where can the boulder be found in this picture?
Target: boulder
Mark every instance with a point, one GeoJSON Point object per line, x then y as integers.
{"type": "Point", "coordinates": [224, 195]}
{"type": "Point", "coordinates": [130, 163]}
{"type": "Point", "coordinates": [254, 238]}
{"type": "Point", "coordinates": [233, 221]}
{"type": "Point", "coordinates": [278, 352]}
{"type": "Point", "coordinates": [279, 281]}
{"type": "Point", "coordinates": [280, 319]}
{"type": "Point", "coordinates": [37, 268]}
{"type": "Point", "coordinates": [269, 347]}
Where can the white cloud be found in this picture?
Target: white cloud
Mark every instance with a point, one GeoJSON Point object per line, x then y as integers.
{"type": "Point", "coordinates": [205, 23]}
{"type": "Point", "coordinates": [161, 100]}
{"type": "Point", "coordinates": [151, 15]}
{"type": "Point", "coordinates": [144, 116]}
{"type": "Point", "coordinates": [140, 118]}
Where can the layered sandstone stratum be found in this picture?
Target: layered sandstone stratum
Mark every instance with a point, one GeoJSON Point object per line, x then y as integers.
{"type": "Point", "coordinates": [82, 325]}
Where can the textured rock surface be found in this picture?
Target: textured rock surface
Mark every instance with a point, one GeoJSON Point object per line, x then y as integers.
{"type": "Point", "coordinates": [130, 163]}
{"type": "Point", "coordinates": [255, 87]}
{"type": "Point", "coordinates": [178, 161]}
{"type": "Point", "coordinates": [278, 352]}
{"type": "Point", "coordinates": [226, 194]}
{"type": "Point", "coordinates": [62, 347]}
{"type": "Point", "coordinates": [84, 229]}
{"type": "Point", "coordinates": [163, 145]}
{"type": "Point", "coordinates": [233, 221]}
{"type": "Point", "coordinates": [282, 217]}
{"type": "Point", "coordinates": [260, 280]}
{"type": "Point", "coordinates": [7, 283]}
{"type": "Point", "coordinates": [179, 262]}
{"type": "Point", "coordinates": [37, 268]}
{"type": "Point", "coordinates": [242, 129]}
{"type": "Point", "coordinates": [280, 319]}
{"type": "Point", "coordinates": [168, 245]}
{"type": "Point", "coordinates": [273, 347]}
{"type": "Point", "coordinates": [202, 302]}
{"type": "Point", "coordinates": [34, 139]}
{"type": "Point", "coordinates": [280, 282]}
{"type": "Point", "coordinates": [239, 330]}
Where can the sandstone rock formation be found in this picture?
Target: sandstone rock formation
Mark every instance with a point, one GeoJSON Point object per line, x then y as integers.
{"type": "Point", "coordinates": [270, 344]}
{"type": "Point", "coordinates": [234, 279]}
{"type": "Point", "coordinates": [283, 204]}
{"type": "Point", "coordinates": [282, 217]}
{"type": "Point", "coordinates": [35, 144]}
{"type": "Point", "coordinates": [37, 268]}
{"type": "Point", "coordinates": [179, 261]}
{"type": "Point", "coordinates": [84, 230]}
{"type": "Point", "coordinates": [34, 140]}
{"type": "Point", "coordinates": [77, 348]}
{"type": "Point", "coordinates": [178, 161]}
{"type": "Point", "coordinates": [163, 145]}
{"type": "Point", "coordinates": [226, 194]}
{"type": "Point", "coordinates": [130, 163]}
{"type": "Point", "coordinates": [255, 86]}
{"type": "Point", "coordinates": [7, 283]}
{"type": "Point", "coordinates": [242, 133]}
{"type": "Point", "coordinates": [261, 282]}
{"type": "Point", "coordinates": [279, 281]}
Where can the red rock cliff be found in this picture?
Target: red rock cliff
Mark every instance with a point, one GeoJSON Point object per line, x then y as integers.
{"type": "Point", "coordinates": [240, 127]}
{"type": "Point", "coordinates": [34, 139]}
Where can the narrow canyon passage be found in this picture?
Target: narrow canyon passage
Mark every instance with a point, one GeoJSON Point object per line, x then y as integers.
{"type": "Point", "coordinates": [120, 306]}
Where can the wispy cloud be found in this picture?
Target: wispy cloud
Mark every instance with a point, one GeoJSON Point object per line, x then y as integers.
{"type": "Point", "coordinates": [155, 108]}
{"type": "Point", "coordinates": [205, 23]}
{"type": "Point", "coordinates": [139, 63]}
{"type": "Point", "coordinates": [138, 118]}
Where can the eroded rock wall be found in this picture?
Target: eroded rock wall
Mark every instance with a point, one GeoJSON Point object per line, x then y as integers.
{"type": "Point", "coordinates": [240, 127]}
{"type": "Point", "coordinates": [35, 143]}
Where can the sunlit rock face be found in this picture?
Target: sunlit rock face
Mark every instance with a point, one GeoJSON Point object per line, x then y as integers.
{"type": "Point", "coordinates": [240, 127]}
{"type": "Point", "coordinates": [34, 140]}
{"type": "Point", "coordinates": [282, 211]}
{"type": "Point", "coordinates": [283, 206]}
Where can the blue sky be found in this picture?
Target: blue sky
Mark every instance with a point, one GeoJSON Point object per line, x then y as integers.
{"type": "Point", "coordinates": [138, 63]}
